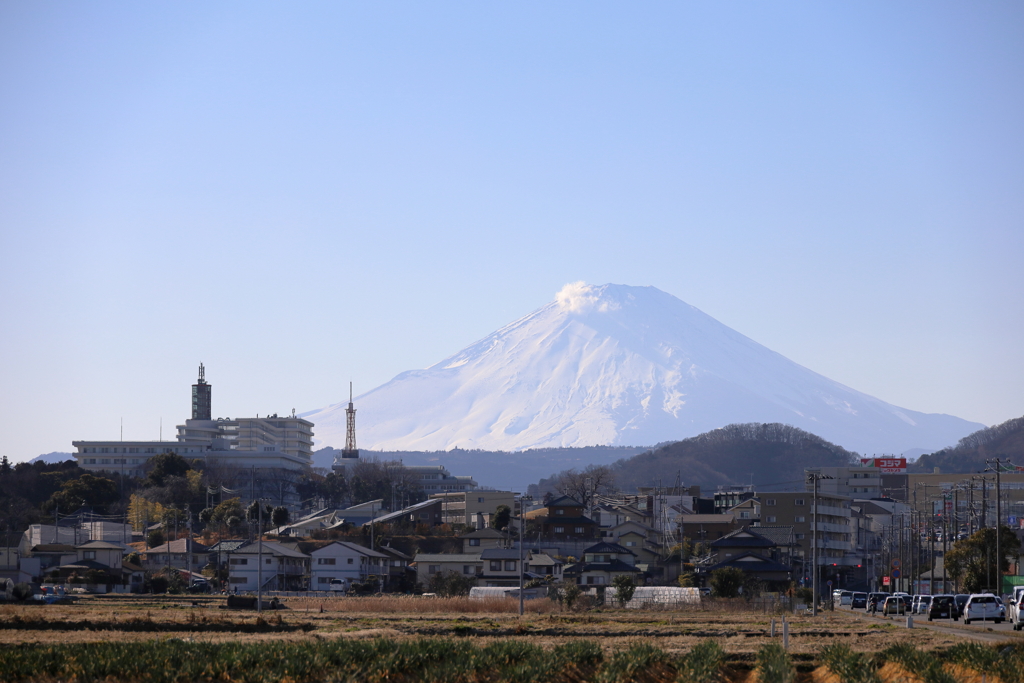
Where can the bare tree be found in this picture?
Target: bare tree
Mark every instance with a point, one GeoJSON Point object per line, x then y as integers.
{"type": "Point", "coordinates": [584, 484]}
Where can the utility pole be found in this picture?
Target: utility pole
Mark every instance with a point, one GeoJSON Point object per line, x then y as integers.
{"type": "Point", "coordinates": [259, 557]}
{"type": "Point", "coordinates": [999, 521]}
{"type": "Point", "coordinates": [814, 477]}
{"type": "Point", "coordinates": [522, 574]}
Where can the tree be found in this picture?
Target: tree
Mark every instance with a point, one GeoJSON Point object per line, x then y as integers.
{"type": "Point", "coordinates": [583, 485]}
{"type": "Point", "coordinates": [279, 516]}
{"type": "Point", "coordinates": [252, 513]}
{"type": "Point", "coordinates": [971, 562]}
{"type": "Point", "coordinates": [726, 582]}
{"type": "Point", "coordinates": [625, 587]}
{"type": "Point", "coordinates": [5, 465]}
{"type": "Point", "coordinates": [165, 465]}
{"type": "Point", "coordinates": [502, 516]}
{"type": "Point", "coordinates": [87, 490]}
{"type": "Point", "coordinates": [155, 538]}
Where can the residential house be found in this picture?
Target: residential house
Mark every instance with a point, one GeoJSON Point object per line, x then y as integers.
{"type": "Point", "coordinates": [543, 566]}
{"type": "Point", "coordinates": [562, 519]}
{"type": "Point", "coordinates": [484, 539]}
{"type": "Point", "coordinates": [428, 564]}
{"type": "Point", "coordinates": [429, 512]}
{"type": "Point", "coordinates": [602, 563]}
{"type": "Point", "coordinates": [343, 560]}
{"type": "Point", "coordinates": [705, 528]}
{"type": "Point", "coordinates": [473, 508]}
{"type": "Point", "coordinates": [191, 556]}
{"type": "Point", "coordinates": [500, 567]}
{"type": "Point", "coordinates": [283, 568]}
{"type": "Point", "coordinates": [397, 568]}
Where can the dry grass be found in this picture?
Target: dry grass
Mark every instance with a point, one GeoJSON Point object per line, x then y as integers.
{"type": "Point", "coordinates": [415, 604]}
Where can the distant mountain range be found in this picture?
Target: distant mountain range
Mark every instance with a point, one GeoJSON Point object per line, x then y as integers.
{"type": "Point", "coordinates": [615, 365]}
{"type": "Point", "coordinates": [56, 456]}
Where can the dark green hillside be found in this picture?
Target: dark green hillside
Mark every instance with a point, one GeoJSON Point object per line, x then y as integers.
{"type": "Point", "coordinates": [771, 455]}
{"type": "Point", "coordinates": [1004, 440]}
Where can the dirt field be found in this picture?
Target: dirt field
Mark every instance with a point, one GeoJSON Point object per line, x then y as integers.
{"type": "Point", "coordinates": [202, 619]}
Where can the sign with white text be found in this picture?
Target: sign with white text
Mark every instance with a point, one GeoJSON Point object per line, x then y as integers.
{"type": "Point", "coordinates": [886, 465]}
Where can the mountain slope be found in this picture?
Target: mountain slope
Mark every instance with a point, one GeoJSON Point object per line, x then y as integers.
{"type": "Point", "coordinates": [1004, 440]}
{"type": "Point", "coordinates": [619, 365]}
{"type": "Point", "coordinates": [770, 456]}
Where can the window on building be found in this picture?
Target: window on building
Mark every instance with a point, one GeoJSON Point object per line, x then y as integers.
{"type": "Point", "coordinates": [799, 537]}
{"type": "Point", "coordinates": [474, 541]}
{"type": "Point", "coordinates": [559, 511]}
{"type": "Point", "coordinates": [799, 518]}
{"type": "Point", "coordinates": [798, 501]}
{"type": "Point", "coordinates": [269, 560]}
{"type": "Point", "coordinates": [467, 569]}
{"type": "Point", "coordinates": [433, 568]}
{"type": "Point", "coordinates": [238, 560]}
{"type": "Point", "coordinates": [744, 514]}
{"type": "Point", "coordinates": [630, 544]}
{"type": "Point", "coordinates": [323, 579]}
{"type": "Point", "coordinates": [89, 555]}
{"type": "Point", "coordinates": [350, 561]}
{"type": "Point", "coordinates": [480, 499]}
{"type": "Point", "coordinates": [326, 560]}
{"type": "Point", "coordinates": [770, 519]}
{"type": "Point", "coordinates": [770, 502]}
{"type": "Point", "coordinates": [495, 565]}
{"type": "Point", "coordinates": [559, 529]}
{"type": "Point", "coordinates": [510, 565]}
{"type": "Point", "coordinates": [579, 530]}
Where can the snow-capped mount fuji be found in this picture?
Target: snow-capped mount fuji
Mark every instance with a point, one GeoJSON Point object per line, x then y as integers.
{"type": "Point", "coordinates": [619, 365]}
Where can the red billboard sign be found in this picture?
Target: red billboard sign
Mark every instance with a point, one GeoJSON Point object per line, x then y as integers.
{"type": "Point", "coordinates": [885, 580]}
{"type": "Point", "coordinates": [886, 465]}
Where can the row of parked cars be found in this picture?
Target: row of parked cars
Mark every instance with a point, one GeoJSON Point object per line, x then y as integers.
{"type": "Point", "coordinates": [974, 607]}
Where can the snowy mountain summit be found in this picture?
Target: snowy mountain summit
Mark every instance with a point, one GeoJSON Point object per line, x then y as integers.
{"type": "Point", "coordinates": [619, 365]}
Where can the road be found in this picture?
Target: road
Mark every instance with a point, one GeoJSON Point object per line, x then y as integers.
{"type": "Point", "coordinates": [988, 632]}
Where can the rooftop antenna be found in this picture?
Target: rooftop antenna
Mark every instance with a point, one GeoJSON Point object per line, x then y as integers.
{"type": "Point", "coordinates": [350, 450]}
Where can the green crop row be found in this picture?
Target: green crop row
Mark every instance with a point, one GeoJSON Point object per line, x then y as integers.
{"type": "Point", "coordinates": [459, 661]}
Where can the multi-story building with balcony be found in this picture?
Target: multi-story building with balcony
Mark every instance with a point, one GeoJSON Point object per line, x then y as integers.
{"type": "Point", "coordinates": [833, 532]}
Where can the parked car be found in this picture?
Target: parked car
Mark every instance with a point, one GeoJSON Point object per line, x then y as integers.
{"type": "Point", "coordinates": [961, 601]}
{"type": "Point", "coordinates": [923, 603]}
{"type": "Point", "coordinates": [859, 601]}
{"type": "Point", "coordinates": [1015, 613]}
{"type": "Point", "coordinates": [943, 607]}
{"type": "Point", "coordinates": [338, 585]}
{"type": "Point", "coordinates": [983, 606]}
{"type": "Point", "coordinates": [895, 604]}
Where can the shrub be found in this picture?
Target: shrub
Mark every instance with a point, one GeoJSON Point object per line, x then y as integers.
{"type": "Point", "coordinates": [726, 582]}
{"type": "Point", "coordinates": [773, 665]}
{"type": "Point", "coordinates": [625, 587]}
{"type": "Point", "coordinates": [22, 591]}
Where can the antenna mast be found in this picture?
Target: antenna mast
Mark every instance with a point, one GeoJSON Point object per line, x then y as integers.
{"type": "Point", "coordinates": [350, 450]}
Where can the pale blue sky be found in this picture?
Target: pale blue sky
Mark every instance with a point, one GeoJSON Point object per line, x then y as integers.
{"type": "Point", "coordinates": [303, 194]}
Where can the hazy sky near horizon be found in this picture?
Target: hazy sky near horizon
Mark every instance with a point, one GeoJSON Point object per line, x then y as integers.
{"type": "Point", "coordinates": [299, 195]}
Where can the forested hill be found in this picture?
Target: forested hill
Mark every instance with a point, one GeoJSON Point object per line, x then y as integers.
{"type": "Point", "coordinates": [1004, 440]}
{"type": "Point", "coordinates": [772, 456]}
